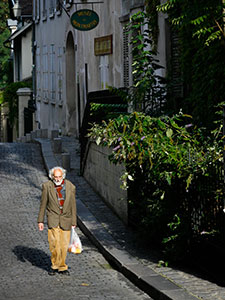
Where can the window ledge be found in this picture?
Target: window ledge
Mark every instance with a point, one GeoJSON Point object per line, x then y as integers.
{"type": "Point", "coordinates": [46, 101]}
{"type": "Point", "coordinates": [59, 12]}
{"type": "Point", "coordinates": [51, 16]}
{"type": "Point", "coordinates": [60, 103]}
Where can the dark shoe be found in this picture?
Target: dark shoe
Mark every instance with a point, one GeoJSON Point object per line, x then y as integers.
{"type": "Point", "coordinates": [66, 273]}
{"type": "Point", "coordinates": [52, 272]}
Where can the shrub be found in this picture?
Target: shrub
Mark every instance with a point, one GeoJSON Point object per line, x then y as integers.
{"type": "Point", "coordinates": [163, 157]}
{"type": "Point", "coordinates": [10, 99]}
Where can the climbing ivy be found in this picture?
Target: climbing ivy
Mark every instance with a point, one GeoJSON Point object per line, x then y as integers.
{"type": "Point", "coordinates": [152, 13]}
{"type": "Point", "coordinates": [147, 92]}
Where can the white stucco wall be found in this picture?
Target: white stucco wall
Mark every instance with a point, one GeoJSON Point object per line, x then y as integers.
{"type": "Point", "coordinates": [26, 55]}
{"type": "Point", "coordinates": [50, 31]}
{"type": "Point", "coordinates": [54, 31]}
{"type": "Point", "coordinates": [109, 14]}
{"type": "Point", "coordinates": [61, 112]}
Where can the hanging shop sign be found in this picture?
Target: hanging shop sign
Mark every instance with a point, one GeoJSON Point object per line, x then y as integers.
{"type": "Point", "coordinates": [84, 19]}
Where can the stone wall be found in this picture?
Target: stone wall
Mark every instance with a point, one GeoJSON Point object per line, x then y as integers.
{"type": "Point", "coordinates": [104, 177]}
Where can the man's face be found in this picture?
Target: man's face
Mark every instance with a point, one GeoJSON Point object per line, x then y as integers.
{"type": "Point", "coordinates": [57, 177]}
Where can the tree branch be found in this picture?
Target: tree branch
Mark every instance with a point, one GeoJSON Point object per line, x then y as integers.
{"type": "Point", "coordinates": [220, 28]}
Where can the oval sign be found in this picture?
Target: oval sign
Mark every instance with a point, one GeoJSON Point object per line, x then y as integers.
{"type": "Point", "coordinates": [84, 19]}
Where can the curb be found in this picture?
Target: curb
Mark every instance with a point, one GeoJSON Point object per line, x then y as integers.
{"type": "Point", "coordinates": [155, 285]}
{"type": "Point", "coordinates": [145, 278]}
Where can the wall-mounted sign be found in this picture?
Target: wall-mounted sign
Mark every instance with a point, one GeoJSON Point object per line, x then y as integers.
{"type": "Point", "coordinates": [103, 45]}
{"type": "Point", "coordinates": [84, 19]}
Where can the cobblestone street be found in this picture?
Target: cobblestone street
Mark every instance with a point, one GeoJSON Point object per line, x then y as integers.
{"type": "Point", "coordinates": [24, 250]}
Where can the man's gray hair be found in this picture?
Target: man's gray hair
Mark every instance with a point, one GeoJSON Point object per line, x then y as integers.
{"type": "Point", "coordinates": [51, 172]}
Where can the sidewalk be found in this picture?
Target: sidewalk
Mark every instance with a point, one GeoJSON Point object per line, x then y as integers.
{"type": "Point", "coordinates": [117, 243]}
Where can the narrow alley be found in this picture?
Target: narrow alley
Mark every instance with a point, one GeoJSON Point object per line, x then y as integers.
{"type": "Point", "coordinates": [24, 250]}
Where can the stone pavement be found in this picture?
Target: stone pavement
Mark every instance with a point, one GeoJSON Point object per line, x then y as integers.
{"type": "Point", "coordinates": [24, 250]}
{"type": "Point", "coordinates": [118, 243]}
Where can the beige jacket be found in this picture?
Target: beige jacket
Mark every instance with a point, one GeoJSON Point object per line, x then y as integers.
{"type": "Point", "coordinates": [50, 205]}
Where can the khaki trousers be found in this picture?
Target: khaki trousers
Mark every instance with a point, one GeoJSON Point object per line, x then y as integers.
{"type": "Point", "coordinates": [58, 240]}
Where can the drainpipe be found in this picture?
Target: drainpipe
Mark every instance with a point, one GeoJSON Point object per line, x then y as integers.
{"type": "Point", "coordinates": [33, 61]}
{"type": "Point", "coordinates": [223, 158]}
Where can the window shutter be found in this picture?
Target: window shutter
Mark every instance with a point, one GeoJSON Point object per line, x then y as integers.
{"type": "Point", "coordinates": [60, 74]}
{"type": "Point", "coordinates": [175, 66]}
{"type": "Point", "coordinates": [52, 72]}
{"type": "Point", "coordinates": [45, 73]}
{"type": "Point", "coordinates": [126, 68]}
{"type": "Point", "coordinates": [38, 73]}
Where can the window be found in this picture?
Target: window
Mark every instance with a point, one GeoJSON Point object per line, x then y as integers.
{"type": "Point", "coordinates": [104, 71]}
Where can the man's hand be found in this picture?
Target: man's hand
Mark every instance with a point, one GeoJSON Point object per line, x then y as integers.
{"type": "Point", "coordinates": [73, 226]}
{"type": "Point", "coordinates": [40, 226]}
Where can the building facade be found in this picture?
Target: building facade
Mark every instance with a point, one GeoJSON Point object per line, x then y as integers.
{"type": "Point", "coordinates": [66, 63]}
{"type": "Point", "coordinates": [21, 44]}
{"type": "Point", "coordinates": [70, 63]}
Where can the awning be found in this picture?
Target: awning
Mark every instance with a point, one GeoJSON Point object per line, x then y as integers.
{"type": "Point", "coordinates": [19, 32]}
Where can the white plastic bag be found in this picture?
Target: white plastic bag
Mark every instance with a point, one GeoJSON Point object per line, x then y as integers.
{"type": "Point", "coordinates": [75, 245]}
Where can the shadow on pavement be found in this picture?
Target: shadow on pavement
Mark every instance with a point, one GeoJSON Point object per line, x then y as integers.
{"type": "Point", "coordinates": [36, 257]}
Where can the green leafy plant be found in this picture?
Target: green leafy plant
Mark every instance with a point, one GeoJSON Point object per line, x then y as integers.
{"type": "Point", "coordinates": [141, 140]}
{"type": "Point", "coordinates": [199, 27]}
{"type": "Point", "coordinates": [207, 17]}
{"type": "Point", "coordinates": [100, 111]}
{"type": "Point", "coordinates": [10, 99]}
{"type": "Point", "coordinates": [152, 14]}
{"type": "Point", "coordinates": [168, 160]}
{"type": "Point", "coordinates": [163, 157]}
{"type": "Point", "coordinates": [147, 92]}
{"type": "Point", "coordinates": [6, 69]}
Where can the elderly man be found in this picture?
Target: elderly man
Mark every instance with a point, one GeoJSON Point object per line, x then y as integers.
{"type": "Point", "coordinates": [58, 198]}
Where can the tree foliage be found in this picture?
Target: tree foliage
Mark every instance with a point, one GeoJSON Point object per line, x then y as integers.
{"type": "Point", "coordinates": [10, 99]}
{"type": "Point", "coordinates": [5, 63]}
{"type": "Point", "coordinates": [153, 26]}
{"type": "Point", "coordinates": [199, 25]}
{"type": "Point", "coordinates": [206, 16]}
{"type": "Point", "coordinates": [147, 92]}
